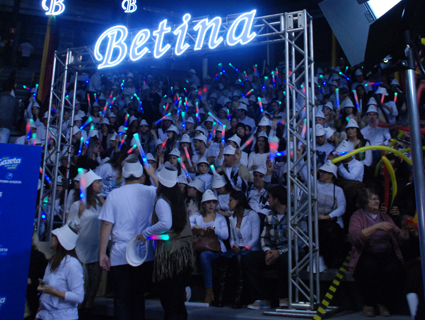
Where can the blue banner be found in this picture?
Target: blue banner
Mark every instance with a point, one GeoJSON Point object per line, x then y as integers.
{"type": "Point", "coordinates": [19, 172]}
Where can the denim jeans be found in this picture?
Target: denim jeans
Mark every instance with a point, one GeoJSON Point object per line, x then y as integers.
{"type": "Point", "coordinates": [206, 258]}
{"type": "Point", "coordinates": [4, 135]}
{"type": "Point", "coordinates": [130, 285]}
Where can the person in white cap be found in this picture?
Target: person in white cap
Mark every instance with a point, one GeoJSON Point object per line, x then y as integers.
{"type": "Point", "coordinates": [323, 149]}
{"type": "Point", "coordinates": [222, 115]}
{"type": "Point", "coordinates": [360, 81]}
{"type": "Point", "coordinates": [260, 154]}
{"type": "Point", "coordinates": [62, 286]}
{"type": "Point", "coordinates": [331, 206]}
{"type": "Point", "coordinates": [174, 258]}
{"type": "Point", "coordinates": [257, 189]}
{"type": "Point", "coordinates": [320, 118]}
{"type": "Point", "coordinates": [388, 106]}
{"type": "Point", "coordinates": [200, 142]}
{"type": "Point", "coordinates": [209, 219]}
{"type": "Point", "coordinates": [195, 189]}
{"type": "Point", "coordinates": [28, 137]}
{"type": "Point", "coordinates": [125, 214]}
{"type": "Point", "coordinates": [242, 112]}
{"type": "Point", "coordinates": [84, 217]}
{"type": "Point", "coordinates": [244, 238]}
{"type": "Point", "coordinates": [222, 187]}
{"type": "Point", "coordinates": [376, 135]}
{"type": "Point", "coordinates": [350, 168]}
{"type": "Point", "coordinates": [203, 167]}
{"type": "Point", "coordinates": [165, 124]}
{"type": "Point", "coordinates": [236, 172]}
{"type": "Point", "coordinates": [193, 78]}
{"type": "Point", "coordinates": [105, 136]}
{"type": "Point", "coordinates": [356, 138]}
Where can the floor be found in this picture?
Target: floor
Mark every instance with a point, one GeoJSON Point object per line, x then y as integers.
{"type": "Point", "coordinates": [104, 311]}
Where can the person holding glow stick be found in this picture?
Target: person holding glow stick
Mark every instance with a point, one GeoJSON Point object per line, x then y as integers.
{"type": "Point", "coordinates": [84, 217]}
{"type": "Point", "coordinates": [125, 214]}
{"type": "Point", "coordinates": [174, 259]}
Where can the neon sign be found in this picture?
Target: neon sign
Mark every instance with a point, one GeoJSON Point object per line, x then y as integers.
{"type": "Point", "coordinates": [129, 6]}
{"type": "Point", "coordinates": [56, 7]}
{"type": "Point", "coordinates": [116, 48]}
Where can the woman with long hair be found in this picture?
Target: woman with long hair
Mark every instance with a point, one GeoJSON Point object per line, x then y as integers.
{"type": "Point", "coordinates": [174, 259]}
{"type": "Point", "coordinates": [261, 152]}
{"type": "Point", "coordinates": [111, 173]}
{"type": "Point", "coordinates": [244, 238]}
{"type": "Point", "coordinates": [62, 286]}
{"type": "Point", "coordinates": [208, 219]}
{"type": "Point", "coordinates": [357, 139]}
{"type": "Point", "coordinates": [195, 189]}
{"type": "Point", "coordinates": [85, 218]}
{"type": "Point", "coordinates": [223, 187]}
{"type": "Point", "coordinates": [91, 159]}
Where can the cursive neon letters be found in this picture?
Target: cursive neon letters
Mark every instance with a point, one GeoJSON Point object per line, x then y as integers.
{"type": "Point", "coordinates": [115, 49]}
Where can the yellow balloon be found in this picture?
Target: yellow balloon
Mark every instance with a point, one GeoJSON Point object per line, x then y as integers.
{"type": "Point", "coordinates": [384, 148]}
{"type": "Point", "coordinates": [393, 179]}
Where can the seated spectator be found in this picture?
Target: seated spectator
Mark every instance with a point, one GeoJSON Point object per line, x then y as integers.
{"type": "Point", "coordinates": [206, 219]}
{"type": "Point", "coordinates": [376, 260]}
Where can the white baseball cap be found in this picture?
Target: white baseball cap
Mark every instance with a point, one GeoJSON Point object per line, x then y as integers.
{"type": "Point", "coordinates": [175, 152]}
{"type": "Point", "coordinates": [218, 181]}
{"type": "Point", "coordinates": [372, 101]}
{"type": "Point", "coordinates": [105, 121]}
{"type": "Point", "coordinates": [320, 131]}
{"type": "Point", "coordinates": [136, 252]}
{"type": "Point", "coordinates": [185, 139]}
{"type": "Point", "coordinates": [320, 114]}
{"type": "Point", "coordinates": [330, 167]}
{"type": "Point", "coordinates": [66, 237]}
{"type": "Point", "coordinates": [382, 90]}
{"type": "Point", "coordinates": [344, 148]}
{"type": "Point", "coordinates": [168, 175]}
{"type": "Point", "coordinates": [372, 108]}
{"type": "Point", "coordinates": [198, 184]}
{"type": "Point", "coordinates": [235, 139]}
{"type": "Point", "coordinates": [348, 103]}
{"type": "Point", "coordinates": [352, 124]}
{"type": "Point", "coordinates": [208, 196]}
{"type": "Point", "coordinates": [132, 167]}
{"type": "Point", "coordinates": [229, 150]}
{"type": "Point", "coordinates": [88, 178]}
{"type": "Point", "coordinates": [264, 122]}
{"type": "Point", "coordinates": [202, 138]}
{"type": "Point", "coordinates": [203, 160]}
{"type": "Point", "coordinates": [261, 169]}
{"type": "Point", "coordinates": [182, 179]}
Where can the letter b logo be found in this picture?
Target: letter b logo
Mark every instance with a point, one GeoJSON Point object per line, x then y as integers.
{"type": "Point", "coordinates": [129, 6]}
{"type": "Point", "coordinates": [56, 7]}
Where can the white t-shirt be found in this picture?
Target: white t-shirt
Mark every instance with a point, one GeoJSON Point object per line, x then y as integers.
{"type": "Point", "coordinates": [129, 209]}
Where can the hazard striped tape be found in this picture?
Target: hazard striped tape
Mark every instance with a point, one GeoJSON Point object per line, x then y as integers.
{"type": "Point", "coordinates": [332, 289]}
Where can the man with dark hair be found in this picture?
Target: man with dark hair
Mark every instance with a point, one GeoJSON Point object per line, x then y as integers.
{"type": "Point", "coordinates": [9, 111]}
{"type": "Point", "coordinates": [125, 214]}
{"type": "Point", "coordinates": [273, 254]}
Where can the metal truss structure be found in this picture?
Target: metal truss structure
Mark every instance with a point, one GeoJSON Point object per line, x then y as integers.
{"type": "Point", "coordinates": [296, 30]}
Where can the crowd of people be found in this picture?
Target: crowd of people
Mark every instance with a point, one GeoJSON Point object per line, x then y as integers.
{"type": "Point", "coordinates": [181, 157]}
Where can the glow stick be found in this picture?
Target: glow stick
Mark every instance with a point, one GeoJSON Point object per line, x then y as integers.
{"type": "Point", "coordinates": [86, 123]}
{"type": "Point", "coordinates": [132, 148]}
{"type": "Point", "coordinates": [303, 132]}
{"type": "Point", "coordinates": [95, 97]}
{"type": "Point", "coordinates": [172, 92]}
{"type": "Point", "coordinates": [125, 120]}
{"type": "Point", "coordinates": [337, 97]}
{"type": "Point", "coordinates": [347, 78]}
{"type": "Point", "coordinates": [33, 139]}
{"type": "Point", "coordinates": [197, 112]}
{"type": "Point", "coordinates": [395, 97]}
{"type": "Point", "coordinates": [26, 88]}
{"type": "Point", "coordinates": [247, 143]}
{"type": "Point", "coordinates": [184, 169]}
{"type": "Point", "coordinates": [265, 82]}
{"type": "Point", "coordinates": [141, 151]}
{"type": "Point", "coordinates": [187, 156]}
{"type": "Point", "coordinates": [45, 176]}
{"type": "Point", "coordinates": [213, 169]}
{"type": "Point", "coordinates": [233, 67]}
{"type": "Point", "coordinates": [228, 114]}
{"type": "Point", "coordinates": [357, 100]}
{"type": "Point", "coordinates": [215, 118]}
{"type": "Point", "coordinates": [246, 76]}
{"type": "Point", "coordinates": [88, 139]}
{"type": "Point", "coordinates": [88, 100]}
{"type": "Point", "coordinates": [183, 121]}
{"type": "Point", "coordinates": [249, 92]}
{"type": "Point", "coordinates": [178, 109]}
{"type": "Point", "coordinates": [382, 99]}
{"type": "Point", "coordinates": [168, 114]}
{"type": "Point", "coordinates": [274, 145]}
{"type": "Point", "coordinates": [29, 129]}
{"type": "Point", "coordinates": [81, 145]}
{"type": "Point", "coordinates": [122, 141]}
{"type": "Point", "coordinates": [140, 103]}
{"type": "Point", "coordinates": [163, 237]}
{"type": "Point", "coordinates": [165, 141]}
{"type": "Point", "coordinates": [223, 134]}
{"type": "Point", "coordinates": [221, 67]}
{"type": "Point", "coordinates": [260, 104]}
{"type": "Point", "coordinates": [83, 185]}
